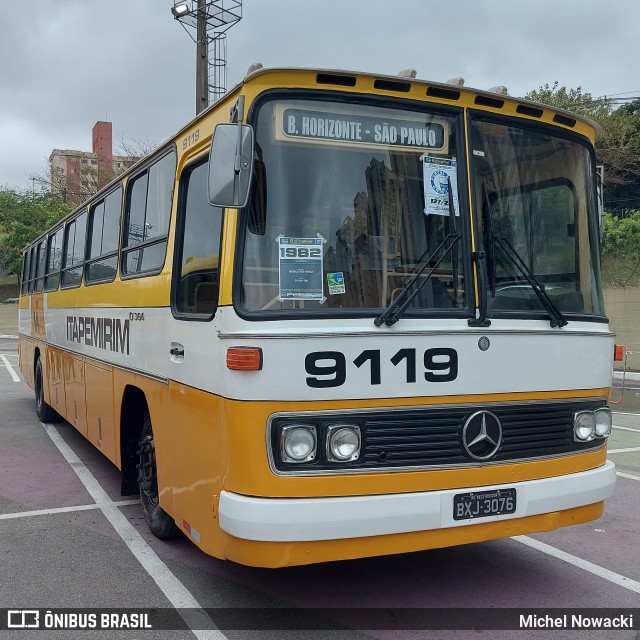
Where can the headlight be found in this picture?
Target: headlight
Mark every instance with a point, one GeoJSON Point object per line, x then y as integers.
{"type": "Point", "coordinates": [343, 443]}
{"type": "Point", "coordinates": [603, 422]}
{"type": "Point", "coordinates": [298, 443]}
{"type": "Point", "coordinates": [584, 426]}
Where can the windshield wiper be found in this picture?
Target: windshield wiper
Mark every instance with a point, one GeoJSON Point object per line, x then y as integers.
{"type": "Point", "coordinates": [394, 311]}
{"type": "Point", "coordinates": [556, 319]}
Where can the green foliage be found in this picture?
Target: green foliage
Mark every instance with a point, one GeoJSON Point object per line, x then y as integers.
{"type": "Point", "coordinates": [23, 217]}
{"type": "Point", "coordinates": [574, 100]}
{"type": "Point", "coordinates": [620, 249]}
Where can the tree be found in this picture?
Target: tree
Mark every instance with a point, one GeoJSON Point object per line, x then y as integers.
{"type": "Point", "coordinates": [574, 100]}
{"type": "Point", "coordinates": [620, 248]}
{"type": "Point", "coordinates": [618, 149]}
{"type": "Point", "coordinates": [23, 217]}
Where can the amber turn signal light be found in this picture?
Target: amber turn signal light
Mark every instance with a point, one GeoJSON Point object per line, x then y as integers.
{"type": "Point", "coordinates": [244, 358]}
{"type": "Point", "coordinates": [618, 352]}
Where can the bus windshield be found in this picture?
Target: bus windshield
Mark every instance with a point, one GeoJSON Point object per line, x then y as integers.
{"type": "Point", "coordinates": [349, 202]}
{"type": "Point", "coordinates": [536, 207]}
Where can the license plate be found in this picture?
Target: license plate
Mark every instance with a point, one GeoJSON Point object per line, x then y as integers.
{"type": "Point", "coordinates": [480, 504]}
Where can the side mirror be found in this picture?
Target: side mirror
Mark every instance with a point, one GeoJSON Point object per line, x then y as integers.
{"type": "Point", "coordinates": [231, 165]}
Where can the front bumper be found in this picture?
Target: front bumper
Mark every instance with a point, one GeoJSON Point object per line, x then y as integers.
{"type": "Point", "coordinates": [315, 519]}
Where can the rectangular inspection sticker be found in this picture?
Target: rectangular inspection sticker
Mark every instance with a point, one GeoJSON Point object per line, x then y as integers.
{"type": "Point", "coordinates": [438, 174]}
{"type": "Point", "coordinates": [300, 267]}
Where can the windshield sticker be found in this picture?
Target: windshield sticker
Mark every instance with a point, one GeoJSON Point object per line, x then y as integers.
{"type": "Point", "coordinates": [438, 173]}
{"type": "Point", "coordinates": [335, 282]}
{"type": "Point", "coordinates": [363, 129]}
{"type": "Point", "coordinates": [300, 268]}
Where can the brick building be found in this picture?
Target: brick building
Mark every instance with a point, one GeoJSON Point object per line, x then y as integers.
{"type": "Point", "coordinates": [77, 175]}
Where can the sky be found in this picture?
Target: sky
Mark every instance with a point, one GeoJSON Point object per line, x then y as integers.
{"type": "Point", "coordinates": [65, 64]}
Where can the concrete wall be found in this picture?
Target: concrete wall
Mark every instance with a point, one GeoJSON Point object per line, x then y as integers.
{"type": "Point", "coordinates": [623, 308]}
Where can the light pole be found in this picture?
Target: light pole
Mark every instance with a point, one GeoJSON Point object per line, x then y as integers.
{"type": "Point", "coordinates": [210, 19]}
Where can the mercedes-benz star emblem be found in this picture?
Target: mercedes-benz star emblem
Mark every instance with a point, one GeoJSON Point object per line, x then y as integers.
{"type": "Point", "coordinates": [482, 435]}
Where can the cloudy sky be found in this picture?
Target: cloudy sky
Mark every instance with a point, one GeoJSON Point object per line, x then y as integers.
{"type": "Point", "coordinates": [64, 64]}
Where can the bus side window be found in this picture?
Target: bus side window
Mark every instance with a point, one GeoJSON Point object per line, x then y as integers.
{"type": "Point", "coordinates": [41, 254]}
{"type": "Point", "coordinates": [25, 272]}
{"type": "Point", "coordinates": [195, 287]}
{"type": "Point", "coordinates": [146, 218]}
{"type": "Point", "coordinates": [104, 232]}
{"type": "Point", "coordinates": [54, 260]}
{"type": "Point", "coordinates": [73, 251]}
{"type": "Point", "coordinates": [32, 268]}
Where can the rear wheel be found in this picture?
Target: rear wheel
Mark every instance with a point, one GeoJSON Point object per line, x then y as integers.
{"type": "Point", "coordinates": [160, 522]}
{"type": "Point", "coordinates": [44, 411]}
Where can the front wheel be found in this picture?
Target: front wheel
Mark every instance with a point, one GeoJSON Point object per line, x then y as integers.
{"type": "Point", "coordinates": [43, 410]}
{"type": "Point", "coordinates": [159, 521]}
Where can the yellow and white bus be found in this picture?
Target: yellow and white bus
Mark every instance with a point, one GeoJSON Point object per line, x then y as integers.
{"type": "Point", "coordinates": [365, 317]}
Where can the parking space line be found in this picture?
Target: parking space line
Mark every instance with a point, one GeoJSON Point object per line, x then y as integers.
{"type": "Point", "coordinates": [627, 475]}
{"type": "Point", "coordinates": [626, 428]}
{"type": "Point", "coordinates": [627, 450]}
{"type": "Point", "coordinates": [601, 572]}
{"type": "Point", "coordinates": [10, 369]}
{"type": "Point", "coordinates": [81, 507]}
{"type": "Point", "coordinates": [179, 596]}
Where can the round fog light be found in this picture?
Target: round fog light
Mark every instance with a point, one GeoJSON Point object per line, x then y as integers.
{"type": "Point", "coordinates": [603, 422]}
{"type": "Point", "coordinates": [344, 443]}
{"type": "Point", "coordinates": [298, 443]}
{"type": "Point", "coordinates": [584, 428]}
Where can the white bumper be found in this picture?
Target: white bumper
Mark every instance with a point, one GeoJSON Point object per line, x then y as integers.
{"type": "Point", "coordinates": [308, 519]}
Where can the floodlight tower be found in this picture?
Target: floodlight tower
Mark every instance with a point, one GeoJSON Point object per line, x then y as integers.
{"type": "Point", "coordinates": [211, 19]}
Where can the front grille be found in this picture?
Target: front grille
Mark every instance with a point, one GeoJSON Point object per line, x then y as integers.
{"type": "Point", "coordinates": [432, 436]}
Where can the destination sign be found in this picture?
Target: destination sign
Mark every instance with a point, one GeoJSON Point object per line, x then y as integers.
{"type": "Point", "coordinates": [365, 129]}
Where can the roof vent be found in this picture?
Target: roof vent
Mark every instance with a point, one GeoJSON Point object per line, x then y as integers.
{"type": "Point", "coordinates": [254, 67]}
{"type": "Point", "coordinates": [458, 82]}
{"type": "Point", "coordinates": [501, 90]}
{"type": "Point", "coordinates": [407, 73]}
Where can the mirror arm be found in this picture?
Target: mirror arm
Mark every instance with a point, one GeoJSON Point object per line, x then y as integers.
{"type": "Point", "coordinates": [239, 110]}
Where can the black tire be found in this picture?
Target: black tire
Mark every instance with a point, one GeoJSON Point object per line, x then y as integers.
{"type": "Point", "coordinates": [161, 524]}
{"type": "Point", "coordinates": [43, 410]}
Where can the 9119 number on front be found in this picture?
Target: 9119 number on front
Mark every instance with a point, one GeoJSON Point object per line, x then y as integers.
{"type": "Point", "coordinates": [327, 369]}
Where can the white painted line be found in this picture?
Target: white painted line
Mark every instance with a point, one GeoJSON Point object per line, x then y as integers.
{"type": "Point", "coordinates": [626, 428]}
{"type": "Point", "coordinates": [81, 507]}
{"type": "Point", "coordinates": [627, 475]}
{"type": "Point", "coordinates": [601, 572]}
{"type": "Point", "coordinates": [10, 369]}
{"type": "Point", "coordinates": [169, 584]}
{"type": "Point", "coordinates": [628, 450]}
{"type": "Point", "coordinates": [9, 337]}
